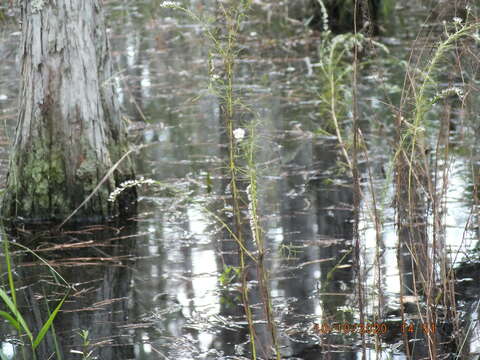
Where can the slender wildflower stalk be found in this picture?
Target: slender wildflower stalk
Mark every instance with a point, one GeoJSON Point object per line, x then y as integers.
{"type": "Point", "coordinates": [226, 47]}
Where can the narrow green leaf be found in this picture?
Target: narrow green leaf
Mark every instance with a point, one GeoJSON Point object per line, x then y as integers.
{"type": "Point", "coordinates": [52, 329]}
{"type": "Point", "coordinates": [6, 299]}
{"type": "Point", "coordinates": [9, 269]}
{"type": "Point", "coordinates": [10, 319]}
{"type": "Point", "coordinates": [48, 323]}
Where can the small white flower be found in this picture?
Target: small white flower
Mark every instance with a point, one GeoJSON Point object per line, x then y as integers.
{"type": "Point", "coordinates": [170, 4]}
{"type": "Point", "coordinates": [239, 134]}
{"type": "Point", "coordinates": [37, 6]}
{"type": "Point", "coordinates": [457, 20]}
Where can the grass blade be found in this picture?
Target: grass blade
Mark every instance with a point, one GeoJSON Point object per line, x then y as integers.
{"type": "Point", "coordinates": [11, 320]}
{"type": "Point", "coordinates": [9, 269]}
{"type": "Point", "coordinates": [48, 323]}
{"type": "Point", "coordinates": [6, 299]}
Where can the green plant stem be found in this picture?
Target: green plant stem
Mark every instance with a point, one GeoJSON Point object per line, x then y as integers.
{"type": "Point", "coordinates": [228, 62]}
{"type": "Point", "coordinates": [333, 110]}
{"type": "Point", "coordinates": [259, 242]}
{"type": "Point", "coordinates": [9, 268]}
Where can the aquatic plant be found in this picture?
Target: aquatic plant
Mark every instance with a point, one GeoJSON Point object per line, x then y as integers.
{"type": "Point", "coordinates": [225, 48]}
{"type": "Point", "coordinates": [414, 179]}
{"type": "Point", "coordinates": [336, 66]}
{"type": "Point", "coordinates": [241, 148]}
{"type": "Point", "coordinates": [86, 353]}
{"type": "Point", "coordinates": [416, 191]}
{"type": "Point", "coordinates": [13, 315]}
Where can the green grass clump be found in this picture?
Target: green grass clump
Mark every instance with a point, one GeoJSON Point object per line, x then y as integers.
{"type": "Point", "coordinates": [13, 315]}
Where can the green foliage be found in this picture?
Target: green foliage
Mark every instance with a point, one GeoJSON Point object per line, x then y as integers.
{"type": "Point", "coordinates": [336, 64]}
{"type": "Point", "coordinates": [48, 323]}
{"type": "Point", "coordinates": [336, 57]}
{"type": "Point", "coordinates": [13, 316]}
{"type": "Point", "coordinates": [229, 274]}
{"type": "Point", "coordinates": [425, 91]}
{"type": "Point", "coordinates": [338, 265]}
{"type": "Point", "coordinates": [224, 47]}
{"type": "Point", "coordinates": [17, 321]}
{"type": "Point", "coordinates": [290, 251]}
{"type": "Point", "coordinates": [87, 354]}
{"type": "Point", "coordinates": [426, 76]}
{"type": "Point", "coordinates": [335, 67]}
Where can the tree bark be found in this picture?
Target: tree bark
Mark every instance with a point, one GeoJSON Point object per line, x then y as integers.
{"type": "Point", "coordinates": [69, 132]}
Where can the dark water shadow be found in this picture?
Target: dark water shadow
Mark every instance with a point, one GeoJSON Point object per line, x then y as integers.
{"type": "Point", "coordinates": [96, 263]}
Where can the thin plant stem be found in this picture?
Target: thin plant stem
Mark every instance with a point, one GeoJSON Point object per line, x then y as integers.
{"type": "Point", "coordinates": [356, 180]}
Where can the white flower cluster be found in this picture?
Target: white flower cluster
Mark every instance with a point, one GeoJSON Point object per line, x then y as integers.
{"type": "Point", "coordinates": [37, 5]}
{"type": "Point", "coordinates": [457, 20]}
{"type": "Point", "coordinates": [455, 90]}
{"type": "Point", "coordinates": [128, 184]}
{"type": "Point", "coordinates": [447, 92]}
{"type": "Point", "coordinates": [324, 15]}
{"type": "Point", "coordinates": [170, 4]}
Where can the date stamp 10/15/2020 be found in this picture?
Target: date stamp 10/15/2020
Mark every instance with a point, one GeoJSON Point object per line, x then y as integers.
{"type": "Point", "coordinates": [371, 328]}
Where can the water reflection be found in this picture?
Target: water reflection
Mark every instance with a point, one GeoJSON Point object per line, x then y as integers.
{"type": "Point", "coordinates": [96, 262]}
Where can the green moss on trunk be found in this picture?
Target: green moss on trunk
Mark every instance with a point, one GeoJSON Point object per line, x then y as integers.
{"type": "Point", "coordinates": [69, 131]}
{"type": "Point", "coordinates": [38, 187]}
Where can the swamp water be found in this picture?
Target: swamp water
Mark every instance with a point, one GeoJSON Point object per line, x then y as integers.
{"type": "Point", "coordinates": [163, 287]}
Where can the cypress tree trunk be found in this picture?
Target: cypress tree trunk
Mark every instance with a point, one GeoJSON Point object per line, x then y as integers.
{"type": "Point", "coordinates": [69, 132]}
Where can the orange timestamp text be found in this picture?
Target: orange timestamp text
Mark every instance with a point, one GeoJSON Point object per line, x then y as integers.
{"type": "Point", "coordinates": [369, 328]}
{"type": "Point", "coordinates": [427, 328]}
{"type": "Point", "coordinates": [351, 328]}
